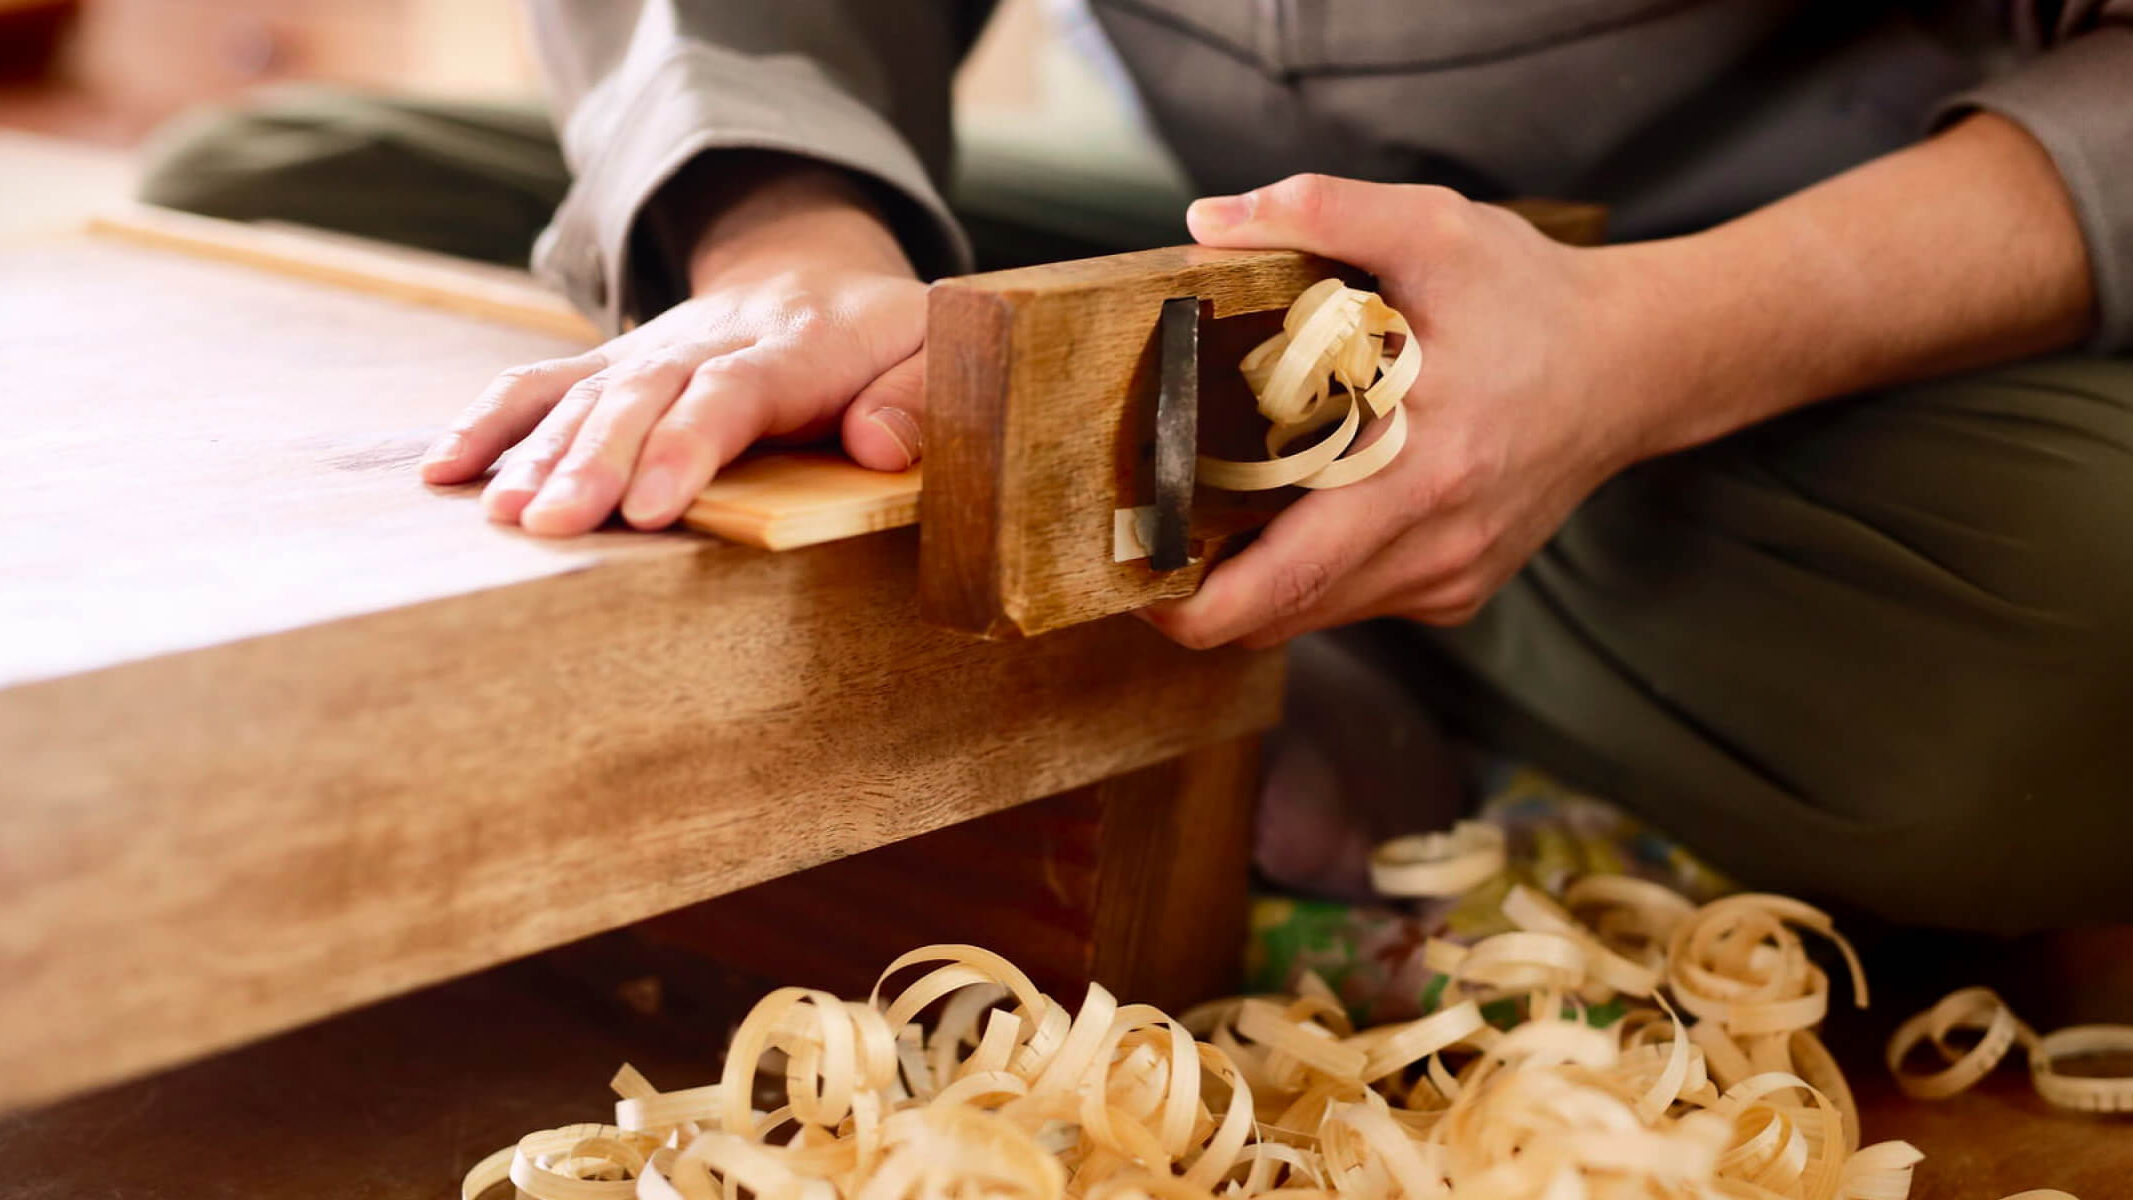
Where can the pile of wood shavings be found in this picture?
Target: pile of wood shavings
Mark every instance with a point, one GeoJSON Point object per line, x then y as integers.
{"type": "Point", "coordinates": [1328, 365]}
{"type": "Point", "coordinates": [1710, 1084]}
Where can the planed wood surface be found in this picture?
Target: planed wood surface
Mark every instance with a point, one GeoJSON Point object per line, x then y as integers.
{"type": "Point", "coordinates": [286, 732]}
{"type": "Point", "coordinates": [774, 501]}
{"type": "Point", "coordinates": [199, 453]}
{"type": "Point", "coordinates": [1040, 389]}
{"type": "Point", "coordinates": [1137, 882]}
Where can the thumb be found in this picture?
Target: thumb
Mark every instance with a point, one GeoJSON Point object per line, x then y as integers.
{"type": "Point", "coordinates": [882, 426]}
{"type": "Point", "coordinates": [1374, 226]}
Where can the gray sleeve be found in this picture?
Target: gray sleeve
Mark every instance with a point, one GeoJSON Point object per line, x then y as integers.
{"type": "Point", "coordinates": [2075, 96]}
{"type": "Point", "coordinates": [641, 89]}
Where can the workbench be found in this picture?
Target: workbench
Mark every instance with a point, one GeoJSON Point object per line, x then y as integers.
{"type": "Point", "coordinates": [285, 733]}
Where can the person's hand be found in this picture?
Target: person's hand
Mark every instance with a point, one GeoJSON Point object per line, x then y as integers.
{"type": "Point", "coordinates": [1526, 402]}
{"type": "Point", "coordinates": [805, 316]}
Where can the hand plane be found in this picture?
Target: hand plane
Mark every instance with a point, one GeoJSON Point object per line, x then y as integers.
{"type": "Point", "coordinates": [1066, 405]}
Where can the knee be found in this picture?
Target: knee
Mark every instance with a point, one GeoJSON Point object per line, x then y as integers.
{"type": "Point", "coordinates": [228, 162]}
{"type": "Point", "coordinates": [2032, 496]}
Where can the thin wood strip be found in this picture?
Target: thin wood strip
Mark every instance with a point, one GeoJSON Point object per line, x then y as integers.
{"type": "Point", "coordinates": [434, 280]}
{"type": "Point", "coordinates": [785, 501]}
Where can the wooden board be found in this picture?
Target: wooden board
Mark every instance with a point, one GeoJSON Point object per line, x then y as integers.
{"type": "Point", "coordinates": [785, 500]}
{"type": "Point", "coordinates": [415, 276]}
{"type": "Point", "coordinates": [286, 732]}
{"type": "Point", "coordinates": [774, 500]}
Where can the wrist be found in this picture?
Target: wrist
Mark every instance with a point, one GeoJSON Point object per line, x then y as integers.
{"type": "Point", "coordinates": [1695, 348]}
{"type": "Point", "coordinates": [786, 211]}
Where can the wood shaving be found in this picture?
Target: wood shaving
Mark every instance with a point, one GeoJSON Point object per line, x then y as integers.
{"type": "Point", "coordinates": [1972, 1031]}
{"type": "Point", "coordinates": [968, 1083]}
{"type": "Point", "coordinates": [1327, 366]}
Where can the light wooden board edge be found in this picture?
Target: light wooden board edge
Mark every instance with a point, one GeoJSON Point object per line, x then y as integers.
{"type": "Point", "coordinates": [804, 498]}
{"type": "Point", "coordinates": [414, 276]}
{"type": "Point", "coordinates": [779, 501]}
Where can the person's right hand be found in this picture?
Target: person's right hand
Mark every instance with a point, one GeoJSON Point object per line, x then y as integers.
{"type": "Point", "coordinates": [804, 313]}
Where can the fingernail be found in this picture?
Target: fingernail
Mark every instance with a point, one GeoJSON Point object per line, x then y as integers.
{"type": "Point", "coordinates": [652, 494]}
{"type": "Point", "coordinates": [514, 477]}
{"type": "Point", "coordinates": [561, 491]}
{"type": "Point", "coordinates": [446, 448]}
{"type": "Point", "coordinates": [1213, 214]}
{"type": "Point", "coordinates": [900, 426]}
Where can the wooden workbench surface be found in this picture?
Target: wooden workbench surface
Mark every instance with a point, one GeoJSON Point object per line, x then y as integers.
{"type": "Point", "coordinates": [284, 731]}
{"type": "Point", "coordinates": [198, 453]}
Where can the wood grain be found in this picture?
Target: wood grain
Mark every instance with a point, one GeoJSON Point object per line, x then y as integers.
{"type": "Point", "coordinates": [286, 732]}
{"type": "Point", "coordinates": [210, 846]}
{"type": "Point", "coordinates": [1039, 393]}
{"type": "Point", "coordinates": [1173, 869]}
{"type": "Point", "coordinates": [772, 500]}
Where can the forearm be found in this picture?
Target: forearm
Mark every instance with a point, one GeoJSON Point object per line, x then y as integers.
{"type": "Point", "coordinates": [1958, 252]}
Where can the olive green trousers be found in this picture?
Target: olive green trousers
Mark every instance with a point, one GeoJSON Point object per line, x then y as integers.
{"type": "Point", "coordinates": [1877, 653]}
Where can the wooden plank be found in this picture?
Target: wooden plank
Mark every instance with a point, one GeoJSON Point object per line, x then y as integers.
{"type": "Point", "coordinates": [413, 276]}
{"type": "Point", "coordinates": [238, 445]}
{"type": "Point", "coordinates": [1137, 882]}
{"type": "Point", "coordinates": [1039, 397]}
{"type": "Point", "coordinates": [787, 500]}
{"type": "Point", "coordinates": [774, 501]}
{"type": "Point", "coordinates": [285, 731]}
{"type": "Point", "coordinates": [241, 448]}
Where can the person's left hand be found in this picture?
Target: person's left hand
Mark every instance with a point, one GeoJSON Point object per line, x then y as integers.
{"type": "Point", "coordinates": [1529, 397]}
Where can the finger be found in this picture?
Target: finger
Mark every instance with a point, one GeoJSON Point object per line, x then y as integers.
{"type": "Point", "coordinates": [1301, 558]}
{"type": "Point", "coordinates": [509, 408]}
{"type": "Point", "coordinates": [526, 468]}
{"type": "Point", "coordinates": [1454, 600]}
{"type": "Point", "coordinates": [729, 402]}
{"type": "Point", "coordinates": [882, 428]}
{"type": "Point", "coordinates": [589, 481]}
{"type": "Point", "coordinates": [1430, 566]}
{"type": "Point", "coordinates": [1375, 226]}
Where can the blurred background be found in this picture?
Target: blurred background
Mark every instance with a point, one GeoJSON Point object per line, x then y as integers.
{"type": "Point", "coordinates": [83, 83]}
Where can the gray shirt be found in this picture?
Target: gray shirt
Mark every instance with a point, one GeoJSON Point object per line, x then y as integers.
{"type": "Point", "coordinates": [1677, 114]}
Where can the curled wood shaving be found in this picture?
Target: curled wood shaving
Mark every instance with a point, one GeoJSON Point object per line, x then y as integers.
{"type": "Point", "coordinates": [1438, 864]}
{"type": "Point", "coordinates": [966, 1082]}
{"type": "Point", "coordinates": [1327, 366]}
{"type": "Point", "coordinates": [1973, 1030]}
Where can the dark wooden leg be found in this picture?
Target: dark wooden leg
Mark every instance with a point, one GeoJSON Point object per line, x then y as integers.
{"type": "Point", "coordinates": [1137, 882]}
{"type": "Point", "coordinates": [1170, 916]}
